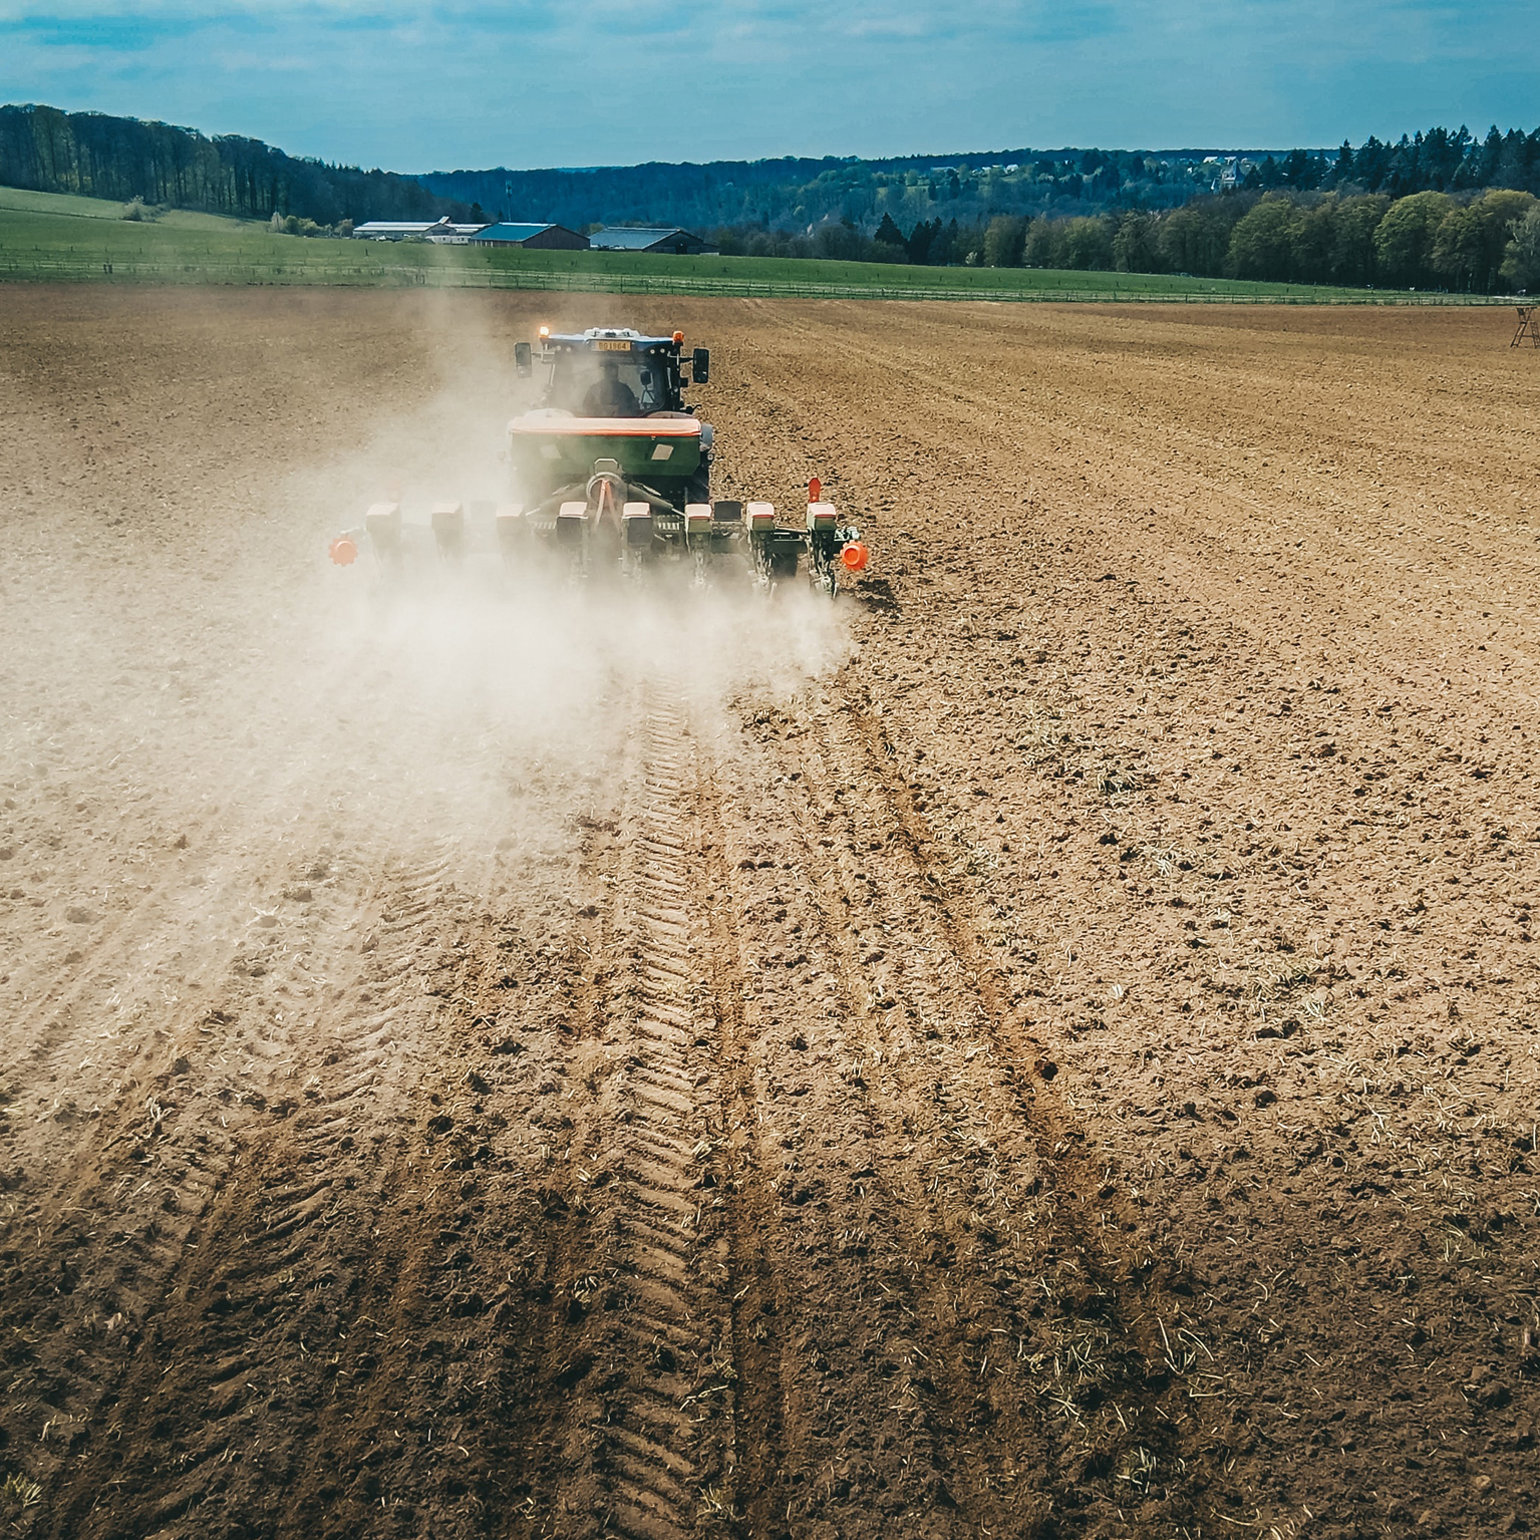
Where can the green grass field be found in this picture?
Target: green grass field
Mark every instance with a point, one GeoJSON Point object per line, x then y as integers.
{"type": "Point", "coordinates": [45, 236]}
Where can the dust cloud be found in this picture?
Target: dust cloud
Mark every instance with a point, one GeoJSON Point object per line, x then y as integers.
{"type": "Point", "coordinates": [213, 740]}
{"type": "Point", "coordinates": [249, 687]}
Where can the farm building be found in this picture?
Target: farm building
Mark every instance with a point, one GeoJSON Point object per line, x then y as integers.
{"type": "Point", "coordinates": [531, 237]}
{"type": "Point", "coordinates": [679, 243]}
{"type": "Point", "coordinates": [442, 232]}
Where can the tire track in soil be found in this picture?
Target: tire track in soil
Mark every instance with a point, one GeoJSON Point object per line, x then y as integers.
{"type": "Point", "coordinates": [763, 1444]}
{"type": "Point", "coordinates": [1086, 1210]}
{"type": "Point", "coordinates": [638, 1366]}
{"type": "Point", "coordinates": [544, 1357]}
{"type": "Point", "coordinates": [217, 1291]}
{"type": "Point", "coordinates": [92, 1235]}
{"type": "Point", "coordinates": [424, 1422]}
{"type": "Point", "coordinates": [1101, 1408]}
{"type": "Point", "coordinates": [117, 954]}
{"type": "Point", "coordinates": [869, 1410]}
{"type": "Point", "coordinates": [656, 1470]}
{"type": "Point", "coordinates": [881, 1413]}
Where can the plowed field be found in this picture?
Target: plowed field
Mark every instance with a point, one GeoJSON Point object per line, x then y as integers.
{"type": "Point", "coordinates": [1046, 1046]}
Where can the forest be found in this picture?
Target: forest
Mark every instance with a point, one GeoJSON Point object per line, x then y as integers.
{"type": "Point", "coordinates": [158, 165]}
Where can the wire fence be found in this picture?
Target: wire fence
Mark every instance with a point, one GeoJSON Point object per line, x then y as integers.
{"type": "Point", "coordinates": [402, 275]}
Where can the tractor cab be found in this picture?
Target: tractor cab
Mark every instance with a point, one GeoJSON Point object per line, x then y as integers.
{"type": "Point", "coordinates": [610, 372]}
{"type": "Point", "coordinates": [610, 409]}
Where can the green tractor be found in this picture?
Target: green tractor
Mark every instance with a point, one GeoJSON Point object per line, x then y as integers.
{"type": "Point", "coordinates": [612, 474]}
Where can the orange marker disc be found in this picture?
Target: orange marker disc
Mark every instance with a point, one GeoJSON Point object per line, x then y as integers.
{"type": "Point", "coordinates": [855, 556]}
{"type": "Point", "coordinates": [343, 551]}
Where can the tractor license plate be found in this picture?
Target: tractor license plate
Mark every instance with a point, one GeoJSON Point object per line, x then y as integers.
{"type": "Point", "coordinates": [605, 345]}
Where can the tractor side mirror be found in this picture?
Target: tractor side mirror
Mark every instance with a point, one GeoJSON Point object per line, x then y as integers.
{"type": "Point", "coordinates": [521, 360]}
{"type": "Point", "coordinates": [700, 365]}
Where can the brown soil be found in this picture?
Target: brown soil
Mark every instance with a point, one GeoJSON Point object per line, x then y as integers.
{"type": "Point", "coordinates": [1046, 1047]}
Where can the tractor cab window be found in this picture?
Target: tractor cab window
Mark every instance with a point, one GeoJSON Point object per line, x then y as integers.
{"type": "Point", "coordinates": [610, 384]}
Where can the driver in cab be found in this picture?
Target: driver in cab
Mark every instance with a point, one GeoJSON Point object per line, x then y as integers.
{"type": "Point", "coordinates": [609, 395]}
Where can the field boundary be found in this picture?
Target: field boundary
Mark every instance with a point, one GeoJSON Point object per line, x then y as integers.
{"type": "Point", "coordinates": [396, 276]}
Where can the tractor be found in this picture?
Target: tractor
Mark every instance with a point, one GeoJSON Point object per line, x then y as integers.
{"type": "Point", "coordinates": [611, 474]}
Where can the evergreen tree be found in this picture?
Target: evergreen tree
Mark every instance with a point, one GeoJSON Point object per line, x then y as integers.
{"type": "Point", "coordinates": [920, 241]}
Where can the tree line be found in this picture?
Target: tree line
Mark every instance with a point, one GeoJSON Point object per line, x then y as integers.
{"type": "Point", "coordinates": [791, 197]}
{"type": "Point", "coordinates": [1481, 243]}
{"type": "Point", "coordinates": [124, 159]}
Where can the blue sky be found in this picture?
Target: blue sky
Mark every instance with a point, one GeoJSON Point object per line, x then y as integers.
{"type": "Point", "coordinates": [537, 83]}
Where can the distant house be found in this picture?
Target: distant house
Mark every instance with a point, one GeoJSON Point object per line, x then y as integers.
{"type": "Point", "coordinates": [675, 242]}
{"type": "Point", "coordinates": [531, 237]}
{"type": "Point", "coordinates": [442, 232]}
